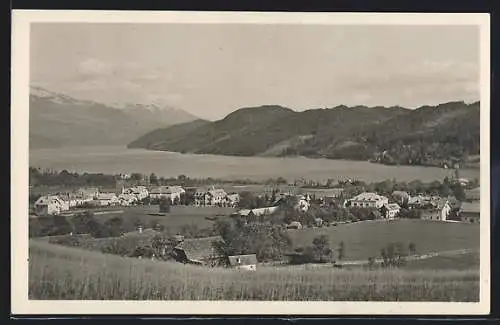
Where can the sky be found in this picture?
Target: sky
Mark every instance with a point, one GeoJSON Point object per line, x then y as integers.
{"type": "Point", "coordinates": [210, 70]}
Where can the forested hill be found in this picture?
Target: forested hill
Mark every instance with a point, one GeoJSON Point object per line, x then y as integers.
{"type": "Point", "coordinates": [429, 135]}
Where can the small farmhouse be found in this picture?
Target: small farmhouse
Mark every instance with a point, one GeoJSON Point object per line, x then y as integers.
{"type": "Point", "coordinates": [243, 262]}
{"type": "Point", "coordinates": [470, 212]}
{"type": "Point", "coordinates": [368, 200]}
{"type": "Point", "coordinates": [198, 251]}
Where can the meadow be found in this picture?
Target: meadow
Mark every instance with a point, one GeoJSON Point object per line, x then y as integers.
{"type": "Point", "coordinates": [64, 273]}
{"type": "Point", "coordinates": [178, 217]}
{"type": "Point", "coordinates": [365, 239]}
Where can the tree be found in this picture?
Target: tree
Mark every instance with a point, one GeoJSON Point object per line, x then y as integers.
{"type": "Point", "coordinates": [136, 176]}
{"type": "Point", "coordinates": [153, 179]}
{"type": "Point", "coordinates": [341, 251]}
{"type": "Point", "coordinates": [321, 246]}
{"type": "Point", "coordinates": [165, 205]}
{"type": "Point", "coordinates": [61, 225]}
{"type": "Point", "coordinates": [393, 255]}
{"type": "Point", "coordinates": [115, 226]}
{"type": "Point", "coordinates": [267, 241]}
{"type": "Point", "coordinates": [458, 191]}
{"type": "Point", "coordinates": [412, 248]}
{"type": "Point", "coordinates": [371, 263]}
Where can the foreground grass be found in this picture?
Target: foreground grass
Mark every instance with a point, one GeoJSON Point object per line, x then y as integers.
{"type": "Point", "coordinates": [57, 272]}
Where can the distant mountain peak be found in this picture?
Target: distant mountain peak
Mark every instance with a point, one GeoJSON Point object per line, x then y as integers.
{"type": "Point", "coordinates": [83, 122]}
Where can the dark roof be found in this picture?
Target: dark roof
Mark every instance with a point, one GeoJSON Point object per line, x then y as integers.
{"type": "Point", "coordinates": [242, 260]}
{"type": "Point", "coordinates": [199, 248]}
{"type": "Point", "coordinates": [468, 207]}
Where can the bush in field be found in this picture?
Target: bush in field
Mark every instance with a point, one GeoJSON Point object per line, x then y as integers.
{"type": "Point", "coordinates": [412, 248]}
{"type": "Point", "coordinates": [393, 255]}
{"type": "Point", "coordinates": [321, 249]}
{"type": "Point", "coordinates": [164, 205]}
{"type": "Point", "coordinates": [114, 226]}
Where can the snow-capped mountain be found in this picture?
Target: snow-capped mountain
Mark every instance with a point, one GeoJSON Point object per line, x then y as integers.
{"type": "Point", "coordinates": [58, 120]}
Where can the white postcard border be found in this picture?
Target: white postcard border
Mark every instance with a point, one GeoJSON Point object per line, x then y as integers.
{"type": "Point", "coordinates": [21, 20]}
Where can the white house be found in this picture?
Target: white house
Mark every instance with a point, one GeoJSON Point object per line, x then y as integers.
{"type": "Point", "coordinates": [258, 212]}
{"type": "Point", "coordinates": [391, 210]}
{"type": "Point", "coordinates": [88, 192]}
{"type": "Point", "coordinates": [107, 199]}
{"type": "Point", "coordinates": [168, 192]}
{"type": "Point", "coordinates": [211, 197]}
{"type": "Point", "coordinates": [233, 199]}
{"type": "Point", "coordinates": [127, 199]}
{"type": "Point", "coordinates": [439, 211]}
{"type": "Point", "coordinates": [141, 192]}
{"type": "Point", "coordinates": [50, 204]}
{"type": "Point", "coordinates": [243, 262]}
{"type": "Point", "coordinates": [303, 204]}
{"type": "Point", "coordinates": [369, 200]}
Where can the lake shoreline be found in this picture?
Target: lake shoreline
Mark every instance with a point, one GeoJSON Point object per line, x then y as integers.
{"type": "Point", "coordinates": [119, 159]}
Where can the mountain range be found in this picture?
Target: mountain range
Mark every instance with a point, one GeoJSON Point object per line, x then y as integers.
{"type": "Point", "coordinates": [58, 120]}
{"type": "Point", "coordinates": [429, 135]}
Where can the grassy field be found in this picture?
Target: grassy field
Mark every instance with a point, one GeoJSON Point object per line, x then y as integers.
{"type": "Point", "coordinates": [365, 239]}
{"type": "Point", "coordinates": [178, 217]}
{"type": "Point", "coordinates": [64, 273]}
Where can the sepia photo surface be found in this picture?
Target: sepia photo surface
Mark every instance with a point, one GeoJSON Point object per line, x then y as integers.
{"type": "Point", "coordinates": [250, 163]}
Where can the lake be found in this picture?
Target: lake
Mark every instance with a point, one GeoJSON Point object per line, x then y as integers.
{"type": "Point", "coordinates": [122, 160]}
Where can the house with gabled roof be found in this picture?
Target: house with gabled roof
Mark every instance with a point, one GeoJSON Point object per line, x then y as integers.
{"type": "Point", "coordinates": [198, 251]}
{"type": "Point", "coordinates": [368, 200]}
{"type": "Point", "coordinates": [243, 262]}
{"type": "Point", "coordinates": [50, 205]}
{"type": "Point", "coordinates": [438, 210]}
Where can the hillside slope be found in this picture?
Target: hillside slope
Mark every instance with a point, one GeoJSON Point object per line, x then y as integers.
{"type": "Point", "coordinates": [60, 120]}
{"type": "Point", "coordinates": [430, 135]}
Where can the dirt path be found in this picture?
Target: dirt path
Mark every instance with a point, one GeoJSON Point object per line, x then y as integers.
{"type": "Point", "coordinates": [417, 256]}
{"type": "Point", "coordinates": [379, 260]}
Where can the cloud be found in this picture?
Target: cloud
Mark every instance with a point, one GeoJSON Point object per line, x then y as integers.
{"type": "Point", "coordinates": [93, 67]}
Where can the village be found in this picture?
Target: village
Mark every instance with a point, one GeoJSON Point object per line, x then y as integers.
{"type": "Point", "coordinates": [294, 206]}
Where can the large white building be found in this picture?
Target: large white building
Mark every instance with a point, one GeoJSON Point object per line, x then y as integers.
{"type": "Point", "coordinates": [140, 192]}
{"type": "Point", "coordinates": [211, 197]}
{"type": "Point", "coordinates": [172, 193]}
{"type": "Point", "coordinates": [108, 199]}
{"type": "Point", "coordinates": [369, 200]}
{"type": "Point", "coordinates": [50, 205]}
